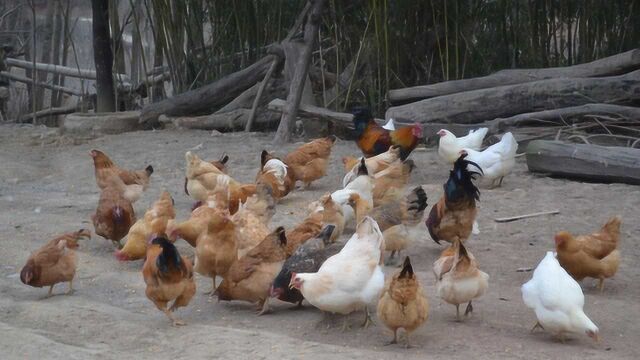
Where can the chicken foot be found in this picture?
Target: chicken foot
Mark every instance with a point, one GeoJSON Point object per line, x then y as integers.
{"type": "Point", "coordinates": [535, 326]}
{"type": "Point", "coordinates": [213, 290]}
{"type": "Point", "coordinates": [367, 318]}
{"type": "Point", "coordinates": [395, 338]}
{"type": "Point", "coordinates": [469, 309]}
{"type": "Point", "coordinates": [71, 290]}
{"type": "Point", "coordinates": [174, 320]}
{"type": "Point", "coordinates": [263, 308]}
{"type": "Point", "coordinates": [50, 293]}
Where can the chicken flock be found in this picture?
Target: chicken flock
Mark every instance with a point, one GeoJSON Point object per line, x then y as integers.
{"type": "Point", "coordinates": [233, 239]}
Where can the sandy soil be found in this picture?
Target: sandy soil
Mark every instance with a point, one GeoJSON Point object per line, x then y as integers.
{"type": "Point", "coordinates": [48, 188]}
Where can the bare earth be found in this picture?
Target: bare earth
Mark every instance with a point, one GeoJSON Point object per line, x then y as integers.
{"type": "Point", "coordinates": [48, 188]}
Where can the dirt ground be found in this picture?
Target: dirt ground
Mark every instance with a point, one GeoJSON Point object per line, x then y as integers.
{"type": "Point", "coordinates": [47, 187]}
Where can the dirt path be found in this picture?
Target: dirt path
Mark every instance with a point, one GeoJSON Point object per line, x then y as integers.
{"type": "Point", "coordinates": [49, 189]}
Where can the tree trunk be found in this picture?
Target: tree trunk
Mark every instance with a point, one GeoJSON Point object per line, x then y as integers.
{"type": "Point", "coordinates": [57, 46]}
{"type": "Point", "coordinates": [136, 45]}
{"type": "Point", "coordinates": [103, 57]}
{"type": "Point", "coordinates": [487, 104]}
{"type": "Point", "coordinates": [294, 98]}
{"type": "Point", "coordinates": [612, 65]}
{"type": "Point", "coordinates": [45, 57]}
{"type": "Point", "coordinates": [205, 99]}
{"type": "Point", "coordinates": [116, 37]}
{"type": "Point", "coordinates": [585, 162]}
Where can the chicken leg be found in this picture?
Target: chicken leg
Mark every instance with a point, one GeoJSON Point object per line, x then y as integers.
{"type": "Point", "coordinates": [70, 291]}
{"type": "Point", "coordinates": [601, 284]}
{"type": "Point", "coordinates": [395, 338]}
{"type": "Point", "coordinates": [458, 313]}
{"type": "Point", "coordinates": [50, 293]}
{"type": "Point", "coordinates": [174, 321]}
{"type": "Point", "coordinates": [537, 325]}
{"type": "Point", "coordinates": [469, 309]}
{"type": "Point", "coordinates": [367, 318]}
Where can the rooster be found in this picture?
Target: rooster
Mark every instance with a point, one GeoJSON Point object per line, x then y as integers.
{"type": "Point", "coordinates": [452, 217]}
{"type": "Point", "coordinates": [373, 139]}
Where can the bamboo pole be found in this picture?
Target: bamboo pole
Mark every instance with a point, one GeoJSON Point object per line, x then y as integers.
{"type": "Point", "coordinates": [59, 69]}
{"type": "Point", "coordinates": [44, 85]}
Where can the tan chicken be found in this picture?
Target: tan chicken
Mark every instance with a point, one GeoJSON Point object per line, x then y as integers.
{"type": "Point", "coordinates": [276, 174]}
{"type": "Point", "coordinates": [216, 247]}
{"type": "Point", "coordinates": [594, 255]}
{"type": "Point", "coordinates": [374, 164]}
{"type": "Point", "coordinates": [309, 161]}
{"type": "Point", "coordinates": [398, 218]}
{"type": "Point", "coordinates": [250, 277]}
{"type": "Point", "coordinates": [394, 177]}
{"type": "Point", "coordinates": [136, 181]}
{"type": "Point", "coordinates": [403, 303]}
{"type": "Point", "coordinates": [309, 228]}
{"type": "Point", "coordinates": [169, 277]}
{"type": "Point", "coordinates": [361, 207]}
{"type": "Point", "coordinates": [331, 215]}
{"type": "Point", "coordinates": [458, 279]}
{"type": "Point", "coordinates": [54, 262]}
{"type": "Point", "coordinates": [115, 215]}
{"type": "Point", "coordinates": [153, 224]}
{"type": "Point", "coordinates": [221, 164]}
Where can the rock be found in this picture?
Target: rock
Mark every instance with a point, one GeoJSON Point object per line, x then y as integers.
{"type": "Point", "coordinates": [94, 125]}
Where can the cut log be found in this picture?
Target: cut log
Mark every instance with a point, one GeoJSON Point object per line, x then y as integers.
{"type": "Point", "coordinates": [584, 162]}
{"type": "Point", "coordinates": [48, 112]}
{"type": "Point", "coordinates": [211, 96]}
{"type": "Point", "coordinates": [232, 120]}
{"type": "Point", "coordinates": [97, 124]}
{"type": "Point", "coordinates": [487, 104]}
{"type": "Point", "coordinates": [560, 115]}
{"type": "Point", "coordinates": [612, 65]}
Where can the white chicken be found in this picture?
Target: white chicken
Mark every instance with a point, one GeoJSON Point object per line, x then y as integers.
{"type": "Point", "coordinates": [497, 160]}
{"type": "Point", "coordinates": [557, 300]}
{"type": "Point", "coordinates": [449, 145]}
{"type": "Point", "coordinates": [458, 279]}
{"type": "Point", "coordinates": [361, 185]}
{"type": "Point", "coordinates": [350, 280]}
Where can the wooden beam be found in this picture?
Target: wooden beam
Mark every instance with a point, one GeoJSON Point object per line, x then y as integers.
{"type": "Point", "coordinates": [62, 70]}
{"type": "Point", "coordinates": [25, 80]}
{"type": "Point", "coordinates": [612, 65]}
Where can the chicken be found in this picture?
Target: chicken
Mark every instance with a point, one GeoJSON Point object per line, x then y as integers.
{"type": "Point", "coordinates": [557, 300]}
{"type": "Point", "coordinates": [350, 280]}
{"type": "Point", "coordinates": [275, 174]}
{"type": "Point", "coordinates": [136, 181]}
{"type": "Point", "coordinates": [307, 229]}
{"type": "Point", "coordinates": [307, 258]}
{"type": "Point", "coordinates": [372, 139]}
{"type": "Point", "coordinates": [237, 193]}
{"type": "Point", "coordinates": [202, 177]}
{"type": "Point", "coordinates": [395, 177]}
{"type": "Point", "coordinates": [449, 145]}
{"type": "Point", "coordinates": [360, 206]}
{"type": "Point", "coordinates": [594, 255]}
{"type": "Point", "coordinates": [153, 224]}
{"type": "Point", "coordinates": [374, 164]}
{"type": "Point", "coordinates": [191, 229]}
{"type": "Point", "coordinates": [452, 217]}
{"type": "Point", "coordinates": [309, 161]}
{"type": "Point", "coordinates": [458, 279]}
{"type": "Point", "coordinates": [361, 185]}
{"type": "Point", "coordinates": [261, 204]}
{"type": "Point", "coordinates": [398, 218]}
{"type": "Point", "coordinates": [54, 262]}
{"type": "Point", "coordinates": [403, 303]}
{"type": "Point", "coordinates": [497, 160]}
{"type": "Point", "coordinates": [250, 229]}
{"type": "Point", "coordinates": [250, 277]}
{"type": "Point", "coordinates": [115, 215]}
{"type": "Point", "coordinates": [332, 215]}
{"type": "Point", "coordinates": [169, 277]}
{"type": "Point", "coordinates": [221, 164]}
{"type": "Point", "coordinates": [216, 247]}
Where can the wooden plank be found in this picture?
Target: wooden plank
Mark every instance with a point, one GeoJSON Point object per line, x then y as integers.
{"type": "Point", "coordinates": [584, 162]}
{"type": "Point", "coordinates": [612, 65]}
{"type": "Point", "coordinates": [476, 106]}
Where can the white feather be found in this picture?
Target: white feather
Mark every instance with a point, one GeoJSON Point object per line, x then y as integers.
{"type": "Point", "coordinates": [390, 125]}
{"type": "Point", "coordinates": [498, 159]}
{"type": "Point", "coordinates": [277, 167]}
{"type": "Point", "coordinates": [449, 145]}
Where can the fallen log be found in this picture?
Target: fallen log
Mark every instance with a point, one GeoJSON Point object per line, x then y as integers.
{"type": "Point", "coordinates": [612, 65]}
{"type": "Point", "coordinates": [487, 104]}
{"type": "Point", "coordinates": [211, 96]}
{"type": "Point", "coordinates": [232, 120]}
{"type": "Point", "coordinates": [584, 162]}
{"type": "Point", "coordinates": [48, 112]}
{"type": "Point", "coordinates": [25, 80]}
{"type": "Point", "coordinates": [560, 115]}
{"type": "Point", "coordinates": [319, 113]}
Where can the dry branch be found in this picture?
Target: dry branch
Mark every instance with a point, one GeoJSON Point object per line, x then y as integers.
{"type": "Point", "coordinates": [319, 113]}
{"type": "Point", "coordinates": [49, 112]}
{"type": "Point", "coordinates": [25, 80]}
{"type": "Point", "coordinates": [486, 104]}
{"type": "Point", "coordinates": [256, 100]}
{"type": "Point", "coordinates": [612, 65]}
{"type": "Point", "coordinates": [584, 162]}
{"type": "Point", "coordinates": [208, 97]}
{"type": "Point", "coordinates": [61, 70]}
